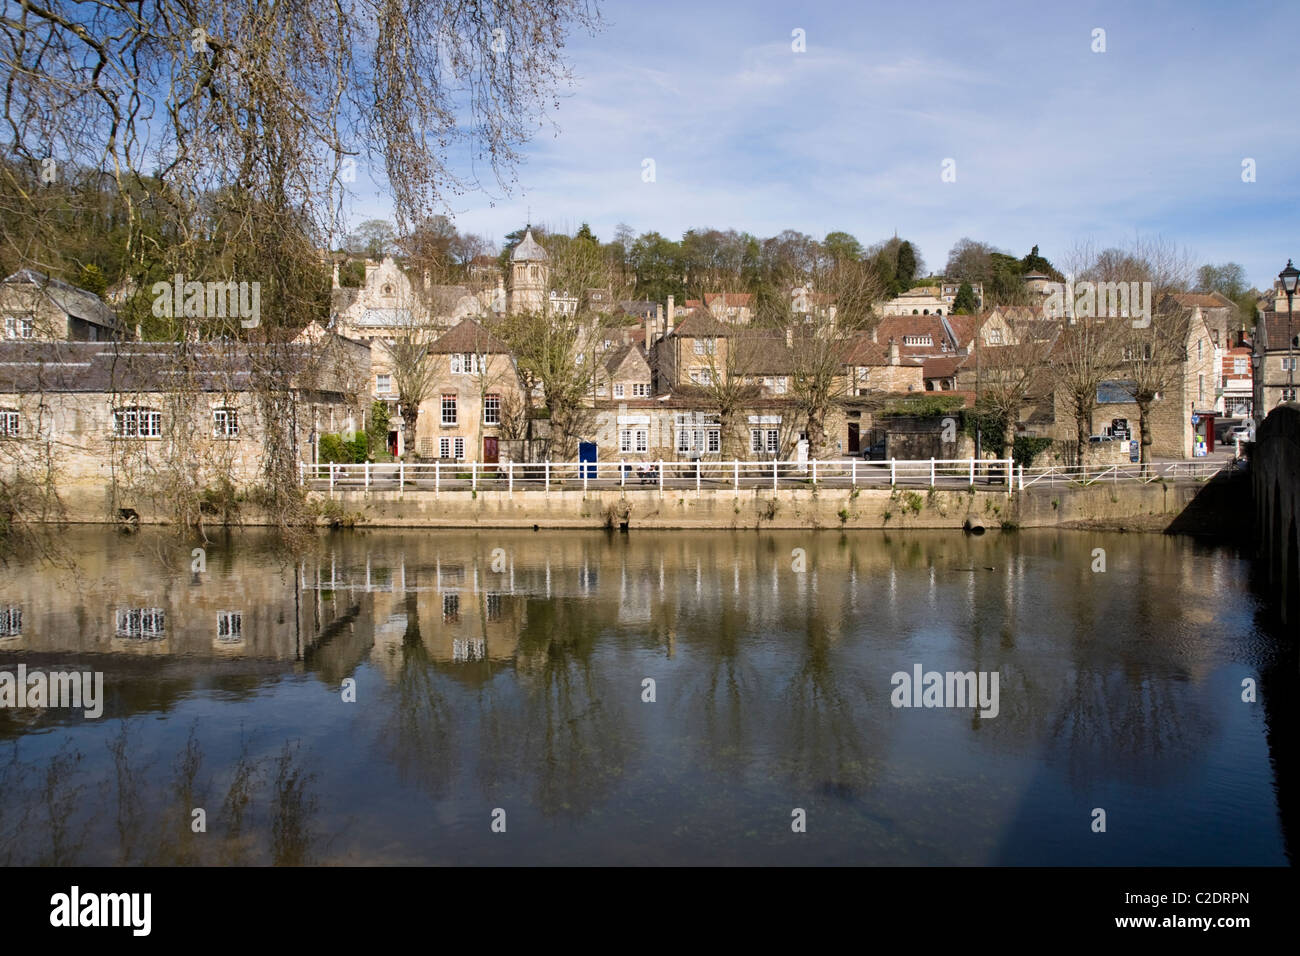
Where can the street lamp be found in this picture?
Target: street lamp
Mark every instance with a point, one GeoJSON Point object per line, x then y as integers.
{"type": "Point", "coordinates": [1289, 275]}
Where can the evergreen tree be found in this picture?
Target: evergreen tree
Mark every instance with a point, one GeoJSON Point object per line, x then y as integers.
{"type": "Point", "coordinates": [965, 302]}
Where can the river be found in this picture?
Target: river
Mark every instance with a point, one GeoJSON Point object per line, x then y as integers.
{"type": "Point", "coordinates": [647, 698]}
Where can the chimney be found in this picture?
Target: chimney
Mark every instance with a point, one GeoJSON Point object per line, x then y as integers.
{"type": "Point", "coordinates": [873, 333]}
{"type": "Point", "coordinates": [668, 329]}
{"type": "Point", "coordinates": [336, 274]}
{"type": "Point", "coordinates": [426, 280]}
{"type": "Point", "coordinates": [649, 334]}
{"type": "Point", "coordinates": [894, 357]}
{"type": "Point", "coordinates": [672, 311]}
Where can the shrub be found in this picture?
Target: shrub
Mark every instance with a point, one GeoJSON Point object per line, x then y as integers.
{"type": "Point", "coordinates": [1027, 448]}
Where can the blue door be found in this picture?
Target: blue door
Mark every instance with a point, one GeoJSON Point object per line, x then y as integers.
{"type": "Point", "coordinates": [587, 452]}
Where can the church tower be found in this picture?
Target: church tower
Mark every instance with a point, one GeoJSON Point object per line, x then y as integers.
{"type": "Point", "coordinates": [529, 275]}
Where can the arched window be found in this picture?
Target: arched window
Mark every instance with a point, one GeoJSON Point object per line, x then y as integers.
{"type": "Point", "coordinates": [914, 312]}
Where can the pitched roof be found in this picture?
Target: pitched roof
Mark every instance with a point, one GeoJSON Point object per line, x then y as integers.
{"type": "Point", "coordinates": [738, 299]}
{"type": "Point", "coordinates": [1272, 328]}
{"type": "Point", "coordinates": [469, 337]}
{"type": "Point", "coordinates": [762, 354]}
{"type": "Point", "coordinates": [943, 366]}
{"type": "Point", "coordinates": [703, 325]}
{"type": "Point", "coordinates": [144, 367]}
{"type": "Point", "coordinates": [78, 303]}
{"type": "Point", "coordinates": [1210, 300]}
{"type": "Point", "coordinates": [529, 250]}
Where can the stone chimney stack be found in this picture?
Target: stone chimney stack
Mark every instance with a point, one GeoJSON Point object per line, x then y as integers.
{"type": "Point", "coordinates": [649, 334]}
{"type": "Point", "coordinates": [336, 275]}
{"type": "Point", "coordinates": [659, 316]}
{"type": "Point", "coordinates": [894, 356]}
{"type": "Point", "coordinates": [873, 333]}
{"type": "Point", "coordinates": [668, 329]}
{"type": "Point", "coordinates": [672, 311]}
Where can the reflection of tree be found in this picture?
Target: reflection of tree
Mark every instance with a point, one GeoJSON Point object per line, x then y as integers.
{"type": "Point", "coordinates": [293, 809]}
{"type": "Point", "coordinates": [824, 743]}
{"type": "Point", "coordinates": [571, 729]}
{"type": "Point", "coordinates": [421, 730]}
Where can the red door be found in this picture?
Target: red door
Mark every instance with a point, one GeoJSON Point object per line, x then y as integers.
{"type": "Point", "coordinates": [490, 453]}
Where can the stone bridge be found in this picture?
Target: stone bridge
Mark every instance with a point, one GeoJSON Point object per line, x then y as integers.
{"type": "Point", "coordinates": [1275, 471]}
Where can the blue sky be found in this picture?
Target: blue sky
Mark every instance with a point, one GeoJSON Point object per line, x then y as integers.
{"type": "Point", "coordinates": [1052, 142]}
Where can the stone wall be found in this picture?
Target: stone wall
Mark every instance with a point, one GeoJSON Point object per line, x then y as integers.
{"type": "Point", "coordinates": [1275, 469]}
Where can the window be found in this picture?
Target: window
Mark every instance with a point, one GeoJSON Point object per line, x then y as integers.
{"type": "Point", "coordinates": [1240, 366]}
{"type": "Point", "coordinates": [451, 447]}
{"type": "Point", "coordinates": [1199, 345]}
{"type": "Point", "coordinates": [1288, 364]}
{"type": "Point", "coordinates": [705, 346]}
{"type": "Point", "coordinates": [776, 385]}
{"type": "Point", "coordinates": [383, 384]}
{"type": "Point", "coordinates": [141, 622]}
{"type": "Point", "coordinates": [764, 439]}
{"type": "Point", "coordinates": [492, 409]}
{"type": "Point", "coordinates": [8, 423]}
{"type": "Point", "coordinates": [11, 621]}
{"type": "Point", "coordinates": [493, 605]}
{"type": "Point", "coordinates": [225, 423]}
{"type": "Point", "coordinates": [466, 363]}
{"type": "Point", "coordinates": [715, 441]}
{"type": "Point", "coordinates": [473, 649]}
{"type": "Point", "coordinates": [1200, 388]}
{"type": "Point", "coordinates": [633, 440]}
{"type": "Point", "coordinates": [137, 423]}
{"type": "Point", "coordinates": [450, 608]}
{"type": "Point", "coordinates": [1288, 394]}
{"type": "Point", "coordinates": [449, 410]}
{"type": "Point", "coordinates": [640, 389]}
{"type": "Point", "coordinates": [618, 391]}
{"type": "Point", "coordinates": [230, 627]}
{"type": "Point", "coordinates": [18, 327]}
{"type": "Point", "coordinates": [995, 336]}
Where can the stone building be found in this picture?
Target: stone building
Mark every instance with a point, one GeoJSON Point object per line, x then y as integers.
{"type": "Point", "coordinates": [1276, 350]}
{"type": "Point", "coordinates": [529, 275]}
{"type": "Point", "coordinates": [121, 422]}
{"type": "Point", "coordinates": [475, 400]}
{"type": "Point", "coordinates": [35, 307]}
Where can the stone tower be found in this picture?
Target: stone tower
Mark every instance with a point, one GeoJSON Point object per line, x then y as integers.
{"type": "Point", "coordinates": [529, 275]}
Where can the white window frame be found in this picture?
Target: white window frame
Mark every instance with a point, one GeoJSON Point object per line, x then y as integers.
{"type": "Point", "coordinates": [640, 389]}
{"type": "Point", "coordinates": [137, 421]}
{"type": "Point", "coordinates": [11, 621]}
{"type": "Point", "coordinates": [225, 422]}
{"type": "Point", "coordinates": [1240, 366]}
{"type": "Point", "coordinates": [618, 390]}
{"type": "Point", "coordinates": [9, 423]}
{"type": "Point", "coordinates": [141, 622]}
{"type": "Point", "coordinates": [230, 627]}
{"type": "Point", "coordinates": [492, 408]}
{"type": "Point", "coordinates": [20, 327]}
{"type": "Point", "coordinates": [383, 383]}
{"type": "Point", "coordinates": [445, 406]}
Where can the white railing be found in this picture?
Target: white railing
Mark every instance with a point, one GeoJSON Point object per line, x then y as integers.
{"type": "Point", "coordinates": [1087, 475]}
{"type": "Point", "coordinates": [660, 475]}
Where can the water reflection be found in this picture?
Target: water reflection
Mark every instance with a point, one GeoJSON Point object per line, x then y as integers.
{"type": "Point", "coordinates": [506, 670]}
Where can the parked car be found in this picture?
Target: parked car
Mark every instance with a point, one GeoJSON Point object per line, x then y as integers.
{"type": "Point", "coordinates": [1239, 433]}
{"type": "Point", "coordinates": [874, 452]}
{"type": "Point", "coordinates": [1097, 439]}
